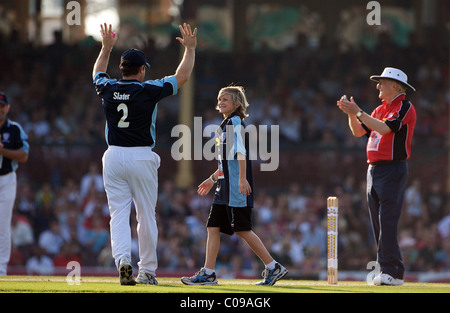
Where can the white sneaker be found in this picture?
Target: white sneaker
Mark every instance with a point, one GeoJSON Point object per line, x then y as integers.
{"type": "Point", "coordinates": [146, 278]}
{"type": "Point", "coordinates": [384, 279]}
{"type": "Point", "coordinates": [126, 272]}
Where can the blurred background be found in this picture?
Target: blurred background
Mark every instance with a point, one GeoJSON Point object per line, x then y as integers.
{"type": "Point", "coordinates": [295, 59]}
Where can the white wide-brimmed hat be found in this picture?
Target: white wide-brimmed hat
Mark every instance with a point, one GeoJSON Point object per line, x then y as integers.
{"type": "Point", "coordinates": [395, 74]}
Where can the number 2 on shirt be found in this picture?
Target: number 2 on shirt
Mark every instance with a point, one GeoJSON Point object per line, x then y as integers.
{"type": "Point", "coordinates": [122, 124]}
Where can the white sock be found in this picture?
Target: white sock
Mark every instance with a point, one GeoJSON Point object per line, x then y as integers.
{"type": "Point", "coordinates": [271, 265]}
{"type": "Point", "coordinates": [208, 271]}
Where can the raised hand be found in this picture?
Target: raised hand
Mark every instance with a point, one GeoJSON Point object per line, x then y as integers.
{"type": "Point", "coordinates": [189, 38]}
{"type": "Point", "coordinates": [109, 38]}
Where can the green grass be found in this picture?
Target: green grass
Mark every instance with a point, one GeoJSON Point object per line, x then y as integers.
{"type": "Point", "coordinates": [58, 284]}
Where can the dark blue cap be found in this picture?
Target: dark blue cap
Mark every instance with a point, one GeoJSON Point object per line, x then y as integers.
{"type": "Point", "coordinates": [3, 98]}
{"type": "Point", "coordinates": [134, 57]}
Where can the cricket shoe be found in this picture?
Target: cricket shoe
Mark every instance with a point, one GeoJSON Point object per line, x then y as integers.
{"type": "Point", "coordinates": [272, 276]}
{"type": "Point", "coordinates": [146, 278]}
{"type": "Point", "coordinates": [200, 278]}
{"type": "Point", "coordinates": [384, 279]}
{"type": "Point", "coordinates": [126, 272]}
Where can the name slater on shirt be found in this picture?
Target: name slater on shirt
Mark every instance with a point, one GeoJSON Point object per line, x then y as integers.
{"type": "Point", "coordinates": [121, 96]}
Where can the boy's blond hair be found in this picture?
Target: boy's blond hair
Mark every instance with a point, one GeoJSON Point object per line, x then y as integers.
{"type": "Point", "coordinates": [237, 94]}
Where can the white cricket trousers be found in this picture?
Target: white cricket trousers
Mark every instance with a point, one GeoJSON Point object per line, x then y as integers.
{"type": "Point", "coordinates": [131, 174]}
{"type": "Point", "coordinates": [8, 187]}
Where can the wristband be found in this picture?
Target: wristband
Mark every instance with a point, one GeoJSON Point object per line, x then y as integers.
{"type": "Point", "coordinates": [212, 179]}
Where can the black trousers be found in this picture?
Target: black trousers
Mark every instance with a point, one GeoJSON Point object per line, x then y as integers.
{"type": "Point", "coordinates": [386, 185]}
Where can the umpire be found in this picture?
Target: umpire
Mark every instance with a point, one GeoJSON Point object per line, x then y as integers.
{"type": "Point", "coordinates": [13, 149]}
{"type": "Point", "coordinates": [390, 129]}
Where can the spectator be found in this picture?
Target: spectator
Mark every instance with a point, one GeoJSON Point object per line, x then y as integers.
{"type": "Point", "coordinates": [413, 202]}
{"type": "Point", "coordinates": [444, 224]}
{"type": "Point", "coordinates": [38, 128]}
{"type": "Point", "coordinates": [92, 179]}
{"type": "Point", "coordinates": [45, 196]}
{"type": "Point", "coordinates": [105, 258]}
{"type": "Point", "coordinates": [16, 258]}
{"type": "Point", "coordinates": [39, 263]}
{"type": "Point", "coordinates": [435, 201]}
{"type": "Point", "coordinates": [297, 248]}
{"type": "Point", "coordinates": [97, 236]}
{"type": "Point", "coordinates": [25, 201]}
{"type": "Point", "coordinates": [66, 254]}
{"type": "Point", "coordinates": [51, 239]}
{"type": "Point", "coordinates": [314, 236]}
{"type": "Point", "coordinates": [22, 235]}
{"type": "Point", "coordinates": [296, 201]}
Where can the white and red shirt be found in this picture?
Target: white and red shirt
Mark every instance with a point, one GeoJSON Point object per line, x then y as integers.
{"type": "Point", "coordinates": [400, 116]}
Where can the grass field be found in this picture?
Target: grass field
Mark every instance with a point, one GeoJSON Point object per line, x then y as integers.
{"type": "Point", "coordinates": [58, 284]}
{"type": "Point", "coordinates": [100, 293]}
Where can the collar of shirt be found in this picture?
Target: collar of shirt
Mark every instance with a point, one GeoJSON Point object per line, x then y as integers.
{"type": "Point", "coordinates": [398, 98]}
{"type": "Point", "coordinates": [5, 124]}
{"type": "Point", "coordinates": [225, 120]}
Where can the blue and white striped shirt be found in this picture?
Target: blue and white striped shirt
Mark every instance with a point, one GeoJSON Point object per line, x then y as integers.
{"type": "Point", "coordinates": [232, 139]}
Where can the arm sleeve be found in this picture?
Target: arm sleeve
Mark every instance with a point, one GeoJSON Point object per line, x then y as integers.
{"type": "Point", "coordinates": [397, 119]}
{"type": "Point", "coordinates": [162, 88]}
{"type": "Point", "coordinates": [101, 79]}
{"type": "Point", "coordinates": [238, 138]}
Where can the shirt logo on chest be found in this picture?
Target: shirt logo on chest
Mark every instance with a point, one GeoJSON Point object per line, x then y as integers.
{"type": "Point", "coordinates": [4, 137]}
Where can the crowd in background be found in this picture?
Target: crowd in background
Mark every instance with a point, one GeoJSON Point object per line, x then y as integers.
{"type": "Point", "coordinates": [51, 94]}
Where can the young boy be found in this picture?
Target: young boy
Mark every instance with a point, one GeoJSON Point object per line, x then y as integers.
{"type": "Point", "coordinates": [231, 209]}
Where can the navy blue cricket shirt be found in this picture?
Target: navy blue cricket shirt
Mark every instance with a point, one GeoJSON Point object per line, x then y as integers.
{"type": "Point", "coordinates": [130, 108]}
{"type": "Point", "coordinates": [231, 138]}
{"type": "Point", "coordinates": [12, 137]}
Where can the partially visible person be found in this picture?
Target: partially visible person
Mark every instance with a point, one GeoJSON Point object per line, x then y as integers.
{"type": "Point", "coordinates": [14, 148]}
{"type": "Point", "coordinates": [40, 263]}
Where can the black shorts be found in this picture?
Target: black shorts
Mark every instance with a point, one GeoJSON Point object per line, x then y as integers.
{"type": "Point", "coordinates": [230, 219]}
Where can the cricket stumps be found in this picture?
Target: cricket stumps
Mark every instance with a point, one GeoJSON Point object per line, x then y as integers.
{"type": "Point", "coordinates": [332, 239]}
